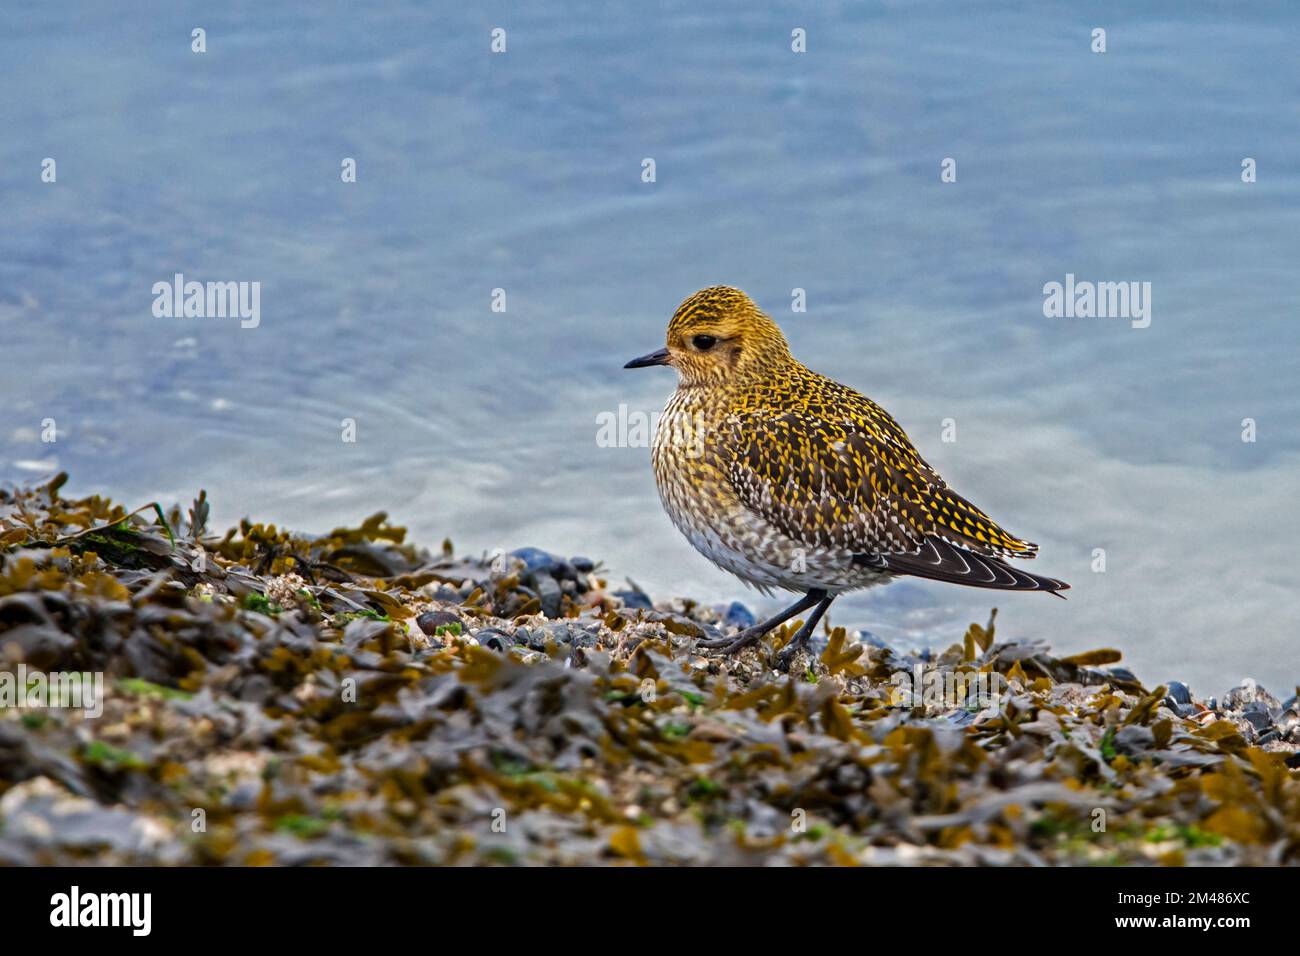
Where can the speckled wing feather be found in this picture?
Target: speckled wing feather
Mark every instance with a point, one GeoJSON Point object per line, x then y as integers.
{"type": "Point", "coordinates": [831, 469]}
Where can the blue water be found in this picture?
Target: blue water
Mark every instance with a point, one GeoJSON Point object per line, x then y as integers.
{"type": "Point", "coordinates": [775, 171]}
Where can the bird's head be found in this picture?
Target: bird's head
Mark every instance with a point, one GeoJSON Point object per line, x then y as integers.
{"type": "Point", "coordinates": [716, 336]}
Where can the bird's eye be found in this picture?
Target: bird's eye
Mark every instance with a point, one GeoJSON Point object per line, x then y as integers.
{"type": "Point", "coordinates": [704, 342]}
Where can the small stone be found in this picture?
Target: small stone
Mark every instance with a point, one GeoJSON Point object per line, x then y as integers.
{"type": "Point", "coordinates": [738, 616]}
{"type": "Point", "coordinates": [1289, 722]}
{"type": "Point", "coordinates": [559, 633]}
{"type": "Point", "coordinates": [537, 561]}
{"type": "Point", "coordinates": [493, 639]}
{"type": "Point", "coordinates": [40, 645]}
{"type": "Point", "coordinates": [1133, 739]}
{"type": "Point", "coordinates": [430, 621]}
{"type": "Point", "coordinates": [632, 600]}
{"type": "Point", "coordinates": [1179, 692]}
{"type": "Point", "coordinates": [866, 637]}
{"type": "Point", "coordinates": [709, 632]}
{"type": "Point", "coordinates": [549, 593]}
{"type": "Point", "coordinates": [523, 636]}
{"type": "Point", "coordinates": [849, 778]}
{"type": "Point", "coordinates": [257, 689]}
{"type": "Point", "coordinates": [1122, 673]}
{"type": "Point", "coordinates": [1259, 719]}
{"type": "Point", "coordinates": [1242, 697]}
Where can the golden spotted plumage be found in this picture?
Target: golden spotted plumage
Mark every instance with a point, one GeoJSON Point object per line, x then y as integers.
{"type": "Point", "coordinates": [789, 479]}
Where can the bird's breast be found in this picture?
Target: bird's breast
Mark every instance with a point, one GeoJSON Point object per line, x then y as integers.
{"type": "Point", "coordinates": [692, 474]}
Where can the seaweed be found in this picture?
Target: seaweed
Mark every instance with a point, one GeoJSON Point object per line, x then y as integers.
{"type": "Point", "coordinates": [275, 697]}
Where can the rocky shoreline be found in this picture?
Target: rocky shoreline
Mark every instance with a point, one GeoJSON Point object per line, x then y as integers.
{"type": "Point", "coordinates": [274, 698]}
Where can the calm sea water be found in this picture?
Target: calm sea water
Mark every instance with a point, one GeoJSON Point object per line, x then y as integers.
{"type": "Point", "coordinates": [775, 171]}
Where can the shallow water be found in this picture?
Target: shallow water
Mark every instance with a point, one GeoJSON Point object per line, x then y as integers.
{"type": "Point", "coordinates": [775, 171]}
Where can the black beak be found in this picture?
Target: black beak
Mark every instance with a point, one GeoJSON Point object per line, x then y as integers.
{"type": "Point", "coordinates": [654, 358]}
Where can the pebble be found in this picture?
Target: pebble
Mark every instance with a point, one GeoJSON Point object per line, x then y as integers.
{"type": "Point", "coordinates": [1289, 722]}
{"type": "Point", "coordinates": [549, 593]}
{"type": "Point", "coordinates": [633, 600]}
{"type": "Point", "coordinates": [1243, 696]}
{"type": "Point", "coordinates": [430, 621]}
{"type": "Point", "coordinates": [1259, 719]}
{"type": "Point", "coordinates": [1134, 739]}
{"type": "Point", "coordinates": [738, 616]}
{"type": "Point", "coordinates": [1120, 672]}
{"type": "Point", "coordinates": [559, 633]}
{"type": "Point", "coordinates": [493, 639]}
{"type": "Point", "coordinates": [541, 565]}
{"type": "Point", "coordinates": [535, 560]}
{"type": "Point", "coordinates": [866, 637]}
{"type": "Point", "coordinates": [568, 633]}
{"type": "Point", "coordinates": [257, 689]}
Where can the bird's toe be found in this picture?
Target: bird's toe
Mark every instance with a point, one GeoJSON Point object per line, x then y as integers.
{"type": "Point", "coordinates": [787, 654]}
{"type": "Point", "coordinates": [730, 645]}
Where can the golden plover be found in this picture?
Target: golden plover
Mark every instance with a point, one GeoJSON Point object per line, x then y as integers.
{"type": "Point", "coordinates": [790, 480]}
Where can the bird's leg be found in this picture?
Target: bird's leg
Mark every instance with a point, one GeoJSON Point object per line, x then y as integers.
{"type": "Point", "coordinates": [803, 635]}
{"type": "Point", "coordinates": [749, 635]}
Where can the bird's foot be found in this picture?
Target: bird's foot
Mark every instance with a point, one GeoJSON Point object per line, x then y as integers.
{"type": "Point", "coordinates": [796, 644]}
{"type": "Point", "coordinates": [729, 645]}
{"type": "Point", "coordinates": [751, 635]}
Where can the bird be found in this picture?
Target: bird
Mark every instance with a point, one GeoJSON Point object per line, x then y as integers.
{"type": "Point", "coordinates": [792, 481]}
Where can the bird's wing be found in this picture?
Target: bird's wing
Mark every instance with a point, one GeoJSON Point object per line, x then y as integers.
{"type": "Point", "coordinates": [940, 561]}
{"type": "Point", "coordinates": [842, 473]}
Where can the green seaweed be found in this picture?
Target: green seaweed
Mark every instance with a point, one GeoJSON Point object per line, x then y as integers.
{"type": "Point", "coordinates": [301, 825]}
{"type": "Point", "coordinates": [112, 758]}
{"type": "Point", "coordinates": [252, 601]}
{"type": "Point", "coordinates": [136, 685]}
